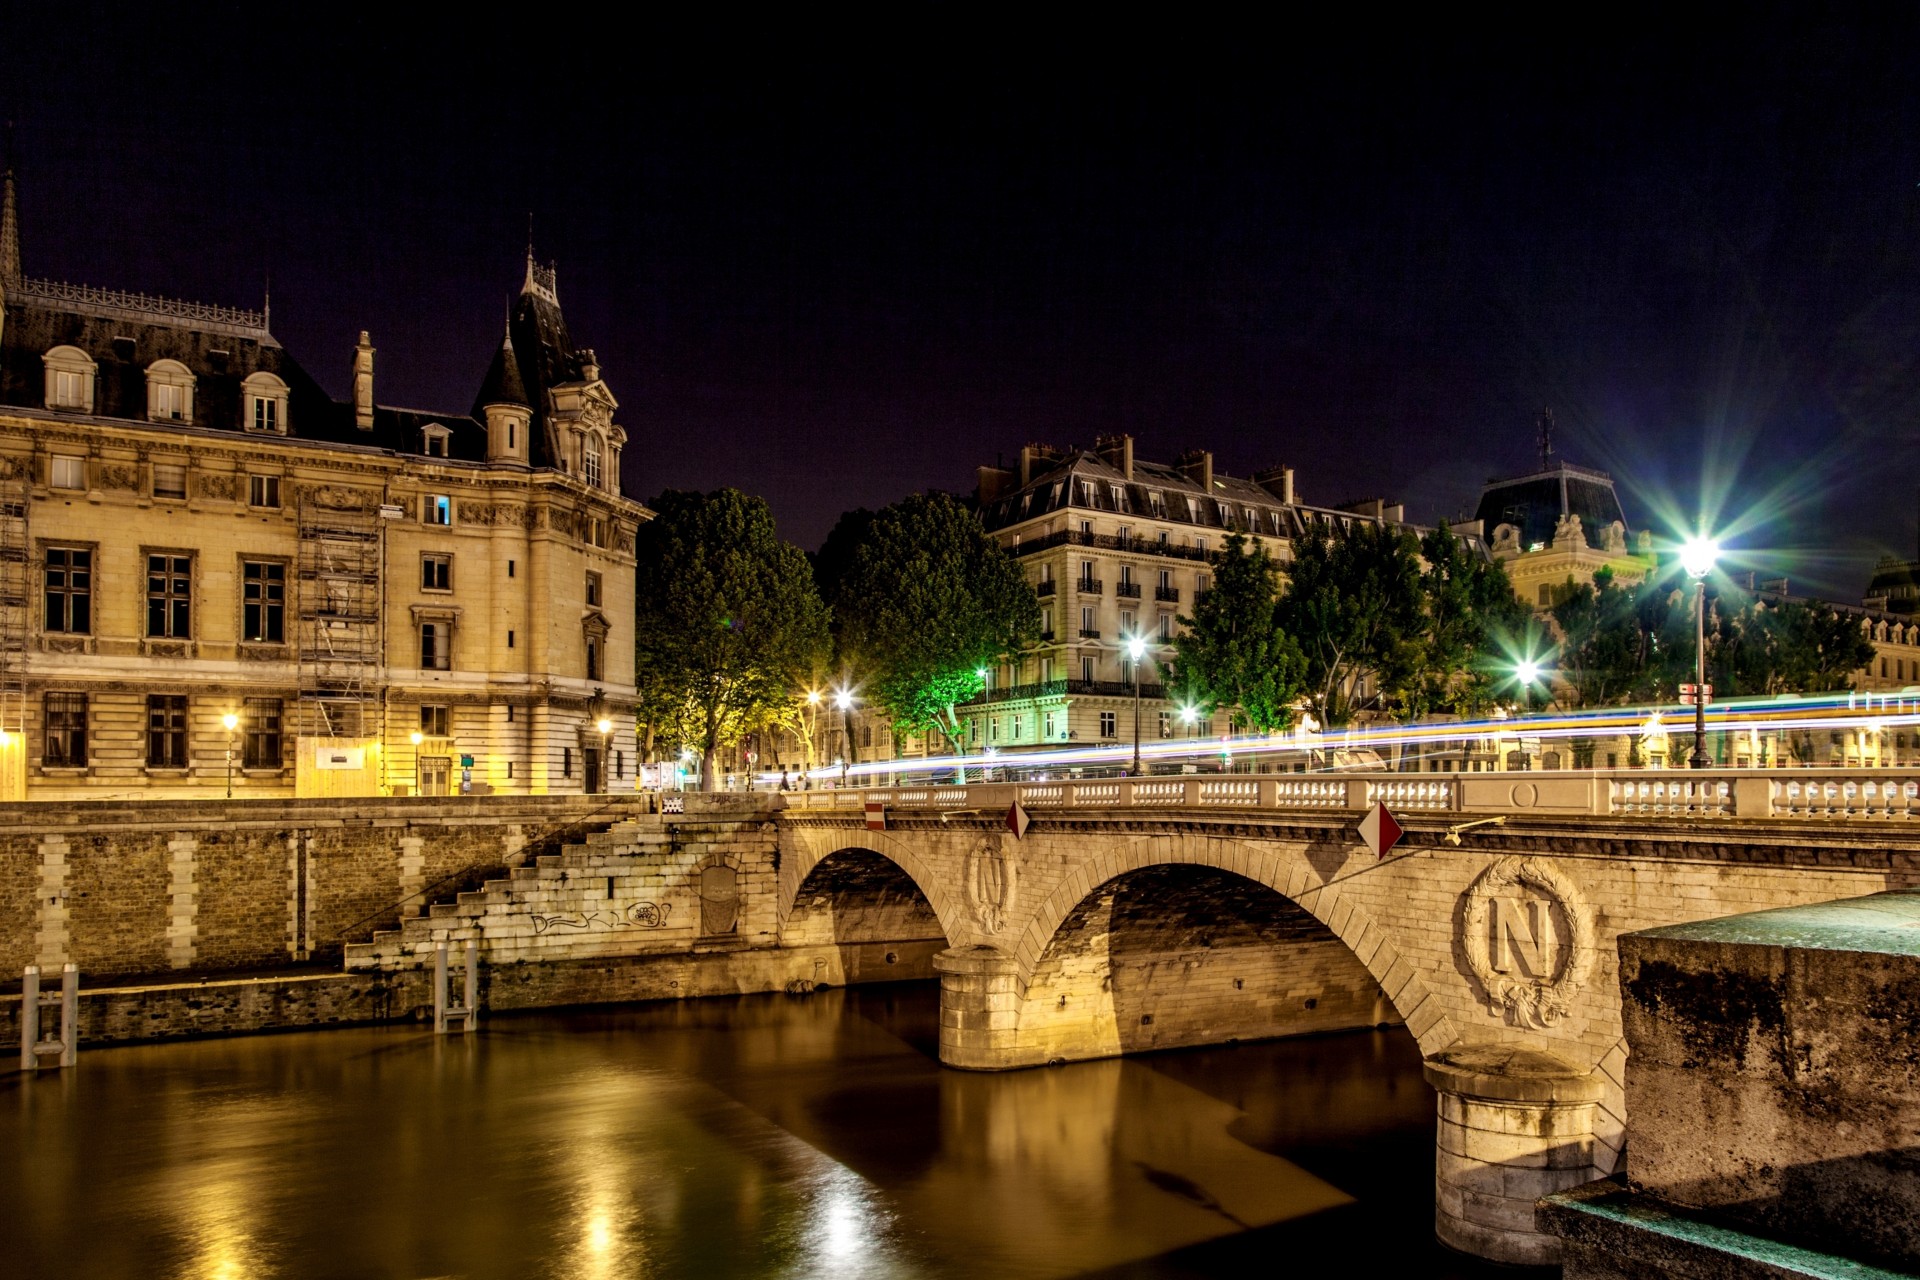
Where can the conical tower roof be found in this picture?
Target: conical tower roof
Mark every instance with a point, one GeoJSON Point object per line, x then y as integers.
{"type": "Point", "coordinates": [503, 383]}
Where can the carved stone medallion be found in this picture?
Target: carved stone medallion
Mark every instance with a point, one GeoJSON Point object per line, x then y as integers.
{"type": "Point", "coordinates": [1527, 936]}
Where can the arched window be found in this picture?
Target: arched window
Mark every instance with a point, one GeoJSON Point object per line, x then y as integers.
{"type": "Point", "coordinates": [591, 459]}
{"type": "Point", "coordinates": [264, 398]}
{"type": "Point", "coordinates": [169, 392]}
{"type": "Point", "coordinates": [69, 379]}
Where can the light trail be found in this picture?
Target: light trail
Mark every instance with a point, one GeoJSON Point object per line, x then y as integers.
{"type": "Point", "coordinates": [1787, 713]}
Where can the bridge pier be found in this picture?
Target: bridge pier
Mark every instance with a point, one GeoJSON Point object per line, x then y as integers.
{"type": "Point", "coordinates": [979, 1007]}
{"type": "Point", "coordinates": [1514, 1125]}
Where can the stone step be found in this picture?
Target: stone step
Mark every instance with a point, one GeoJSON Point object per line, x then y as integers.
{"type": "Point", "coordinates": [441, 910]}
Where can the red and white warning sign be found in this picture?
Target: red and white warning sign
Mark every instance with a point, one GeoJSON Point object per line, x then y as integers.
{"type": "Point", "coordinates": [876, 816]}
{"type": "Point", "coordinates": [1380, 831]}
{"type": "Point", "coordinates": [1018, 821]}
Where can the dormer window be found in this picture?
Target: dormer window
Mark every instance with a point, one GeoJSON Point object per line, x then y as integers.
{"type": "Point", "coordinates": [169, 392]}
{"type": "Point", "coordinates": [433, 440]}
{"type": "Point", "coordinates": [69, 379]}
{"type": "Point", "coordinates": [591, 459]}
{"type": "Point", "coordinates": [265, 397]}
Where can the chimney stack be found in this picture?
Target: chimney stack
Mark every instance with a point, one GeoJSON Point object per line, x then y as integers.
{"type": "Point", "coordinates": [1117, 452]}
{"type": "Point", "coordinates": [363, 383]}
{"type": "Point", "coordinates": [1197, 466]}
{"type": "Point", "coordinates": [1277, 481]}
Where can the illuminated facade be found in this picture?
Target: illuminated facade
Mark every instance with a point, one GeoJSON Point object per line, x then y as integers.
{"type": "Point", "coordinates": [204, 558]}
{"type": "Point", "coordinates": [1119, 547]}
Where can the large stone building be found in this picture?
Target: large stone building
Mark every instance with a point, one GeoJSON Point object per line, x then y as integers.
{"type": "Point", "coordinates": [213, 574]}
{"type": "Point", "coordinates": [1119, 547]}
{"type": "Point", "coordinates": [1557, 524]}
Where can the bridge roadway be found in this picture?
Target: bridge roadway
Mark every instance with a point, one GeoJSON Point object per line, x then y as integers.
{"type": "Point", "coordinates": [1160, 912]}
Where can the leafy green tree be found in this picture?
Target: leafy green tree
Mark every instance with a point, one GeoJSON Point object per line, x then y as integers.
{"type": "Point", "coordinates": [925, 602]}
{"type": "Point", "coordinates": [727, 624]}
{"type": "Point", "coordinates": [1602, 650]}
{"type": "Point", "coordinates": [1353, 605]}
{"type": "Point", "coordinates": [1788, 646]}
{"type": "Point", "coordinates": [1473, 631]}
{"type": "Point", "coordinates": [1232, 652]}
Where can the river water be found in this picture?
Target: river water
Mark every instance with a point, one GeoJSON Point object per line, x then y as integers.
{"type": "Point", "coordinates": [757, 1136]}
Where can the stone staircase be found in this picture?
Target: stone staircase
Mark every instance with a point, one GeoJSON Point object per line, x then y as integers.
{"type": "Point", "coordinates": [633, 889]}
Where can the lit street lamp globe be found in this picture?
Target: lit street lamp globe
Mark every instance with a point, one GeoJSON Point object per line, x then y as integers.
{"type": "Point", "coordinates": [1528, 671]}
{"type": "Point", "coordinates": [1697, 556]}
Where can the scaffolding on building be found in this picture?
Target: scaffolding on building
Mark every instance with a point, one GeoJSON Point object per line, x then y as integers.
{"type": "Point", "coordinates": [339, 571]}
{"type": "Point", "coordinates": [14, 593]}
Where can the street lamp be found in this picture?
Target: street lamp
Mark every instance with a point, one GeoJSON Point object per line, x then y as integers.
{"type": "Point", "coordinates": [843, 699]}
{"type": "Point", "coordinates": [605, 726]}
{"type": "Point", "coordinates": [1697, 558]}
{"type": "Point", "coordinates": [232, 722]}
{"type": "Point", "coordinates": [1136, 650]}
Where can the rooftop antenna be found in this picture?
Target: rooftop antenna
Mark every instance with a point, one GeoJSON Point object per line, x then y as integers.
{"type": "Point", "coordinates": [1546, 439]}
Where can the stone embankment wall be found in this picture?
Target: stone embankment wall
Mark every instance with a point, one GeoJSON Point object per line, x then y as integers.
{"type": "Point", "coordinates": [191, 887]}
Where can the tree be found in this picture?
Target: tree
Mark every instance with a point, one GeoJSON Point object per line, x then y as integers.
{"type": "Point", "coordinates": [1473, 632]}
{"type": "Point", "coordinates": [727, 620]}
{"type": "Point", "coordinates": [926, 602]}
{"type": "Point", "coordinates": [1353, 606]}
{"type": "Point", "coordinates": [1602, 650]}
{"type": "Point", "coordinates": [1789, 646]}
{"type": "Point", "coordinates": [1232, 652]}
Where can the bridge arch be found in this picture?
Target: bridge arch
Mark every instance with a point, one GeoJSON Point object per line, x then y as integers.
{"type": "Point", "coordinates": [1275, 867]}
{"type": "Point", "coordinates": [872, 908]}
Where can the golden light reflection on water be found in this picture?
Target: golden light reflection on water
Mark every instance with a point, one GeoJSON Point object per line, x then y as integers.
{"type": "Point", "coordinates": [751, 1138]}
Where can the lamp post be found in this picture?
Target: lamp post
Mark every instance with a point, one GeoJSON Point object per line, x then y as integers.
{"type": "Point", "coordinates": [605, 726]}
{"type": "Point", "coordinates": [1697, 558]}
{"type": "Point", "coordinates": [844, 700]}
{"type": "Point", "coordinates": [232, 722]}
{"type": "Point", "coordinates": [1136, 650]}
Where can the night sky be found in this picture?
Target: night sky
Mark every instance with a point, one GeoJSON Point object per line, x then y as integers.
{"type": "Point", "coordinates": [832, 266]}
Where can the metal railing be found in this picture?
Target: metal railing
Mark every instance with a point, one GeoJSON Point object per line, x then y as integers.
{"type": "Point", "coordinates": [1111, 542]}
{"type": "Point", "coordinates": [1878, 795]}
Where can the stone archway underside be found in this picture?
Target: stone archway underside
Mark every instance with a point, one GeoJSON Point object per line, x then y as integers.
{"type": "Point", "coordinates": [864, 919]}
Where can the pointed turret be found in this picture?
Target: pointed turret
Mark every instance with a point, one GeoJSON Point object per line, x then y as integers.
{"type": "Point", "coordinates": [503, 384]}
{"type": "Point", "coordinates": [503, 403]}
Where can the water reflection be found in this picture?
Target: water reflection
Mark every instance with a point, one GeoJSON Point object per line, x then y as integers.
{"type": "Point", "coordinates": [765, 1136]}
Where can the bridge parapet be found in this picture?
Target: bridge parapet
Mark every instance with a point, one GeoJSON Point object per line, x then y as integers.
{"type": "Point", "coordinates": [1854, 794]}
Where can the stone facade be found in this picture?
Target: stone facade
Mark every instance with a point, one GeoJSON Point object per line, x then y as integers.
{"type": "Point", "coordinates": [216, 579]}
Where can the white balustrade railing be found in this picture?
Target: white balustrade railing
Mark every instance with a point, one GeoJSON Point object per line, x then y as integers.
{"type": "Point", "coordinates": [1708, 794]}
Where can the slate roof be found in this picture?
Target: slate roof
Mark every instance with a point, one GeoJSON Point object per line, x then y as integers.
{"type": "Point", "coordinates": [1535, 503]}
{"type": "Point", "coordinates": [221, 346]}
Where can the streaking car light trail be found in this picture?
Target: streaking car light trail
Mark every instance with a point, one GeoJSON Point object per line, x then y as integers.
{"type": "Point", "coordinates": [1841, 711]}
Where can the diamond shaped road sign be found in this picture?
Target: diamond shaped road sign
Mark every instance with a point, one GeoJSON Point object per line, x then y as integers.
{"type": "Point", "coordinates": [1380, 831]}
{"type": "Point", "coordinates": [1018, 821]}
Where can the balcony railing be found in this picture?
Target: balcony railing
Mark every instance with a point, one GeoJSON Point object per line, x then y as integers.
{"type": "Point", "coordinates": [1060, 688]}
{"type": "Point", "coordinates": [1127, 590]}
{"type": "Point", "coordinates": [1090, 586]}
{"type": "Point", "coordinates": [1044, 588]}
{"type": "Point", "coordinates": [1111, 542]}
{"type": "Point", "coordinates": [1171, 595]}
{"type": "Point", "coordinates": [1089, 633]}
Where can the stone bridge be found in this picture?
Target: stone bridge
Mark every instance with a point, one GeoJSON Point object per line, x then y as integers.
{"type": "Point", "coordinates": [1162, 912]}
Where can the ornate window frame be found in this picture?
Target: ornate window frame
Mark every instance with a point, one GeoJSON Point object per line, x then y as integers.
{"type": "Point", "coordinates": [75, 363]}
{"type": "Point", "coordinates": [264, 401]}
{"type": "Point", "coordinates": [162, 374]}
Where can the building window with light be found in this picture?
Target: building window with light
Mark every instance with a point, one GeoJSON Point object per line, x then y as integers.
{"type": "Point", "coordinates": [66, 731]}
{"type": "Point", "coordinates": [591, 460]}
{"type": "Point", "coordinates": [261, 749]}
{"type": "Point", "coordinates": [170, 480]}
{"type": "Point", "coordinates": [169, 392]}
{"type": "Point", "coordinates": [70, 375]}
{"type": "Point", "coordinates": [265, 396]}
{"type": "Point", "coordinates": [436, 646]}
{"type": "Point", "coordinates": [436, 508]}
{"type": "Point", "coordinates": [1109, 725]}
{"type": "Point", "coordinates": [65, 471]}
{"type": "Point", "coordinates": [166, 731]}
{"type": "Point", "coordinates": [68, 580]}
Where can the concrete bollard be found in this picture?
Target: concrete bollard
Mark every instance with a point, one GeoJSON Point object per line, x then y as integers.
{"type": "Point", "coordinates": [472, 1018]}
{"type": "Point", "coordinates": [439, 988]}
{"type": "Point", "coordinates": [444, 1011]}
{"type": "Point", "coordinates": [33, 1048]}
{"type": "Point", "coordinates": [69, 1015]}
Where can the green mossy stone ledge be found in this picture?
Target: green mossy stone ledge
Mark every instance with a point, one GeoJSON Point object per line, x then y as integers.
{"type": "Point", "coordinates": [1608, 1233]}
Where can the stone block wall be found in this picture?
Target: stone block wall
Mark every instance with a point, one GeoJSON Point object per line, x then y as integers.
{"type": "Point", "coordinates": [212, 887]}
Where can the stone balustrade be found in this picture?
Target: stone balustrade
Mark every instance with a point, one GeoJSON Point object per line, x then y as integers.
{"type": "Point", "coordinates": [1855, 794]}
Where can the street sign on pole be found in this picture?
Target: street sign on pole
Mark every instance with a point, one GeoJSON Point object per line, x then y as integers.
{"type": "Point", "coordinates": [1696, 694]}
{"type": "Point", "coordinates": [1380, 830]}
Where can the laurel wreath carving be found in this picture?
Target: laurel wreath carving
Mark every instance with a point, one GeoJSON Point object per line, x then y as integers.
{"type": "Point", "coordinates": [1525, 1002]}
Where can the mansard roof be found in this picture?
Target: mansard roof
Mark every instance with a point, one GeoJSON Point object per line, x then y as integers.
{"type": "Point", "coordinates": [1534, 503]}
{"type": "Point", "coordinates": [125, 333]}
